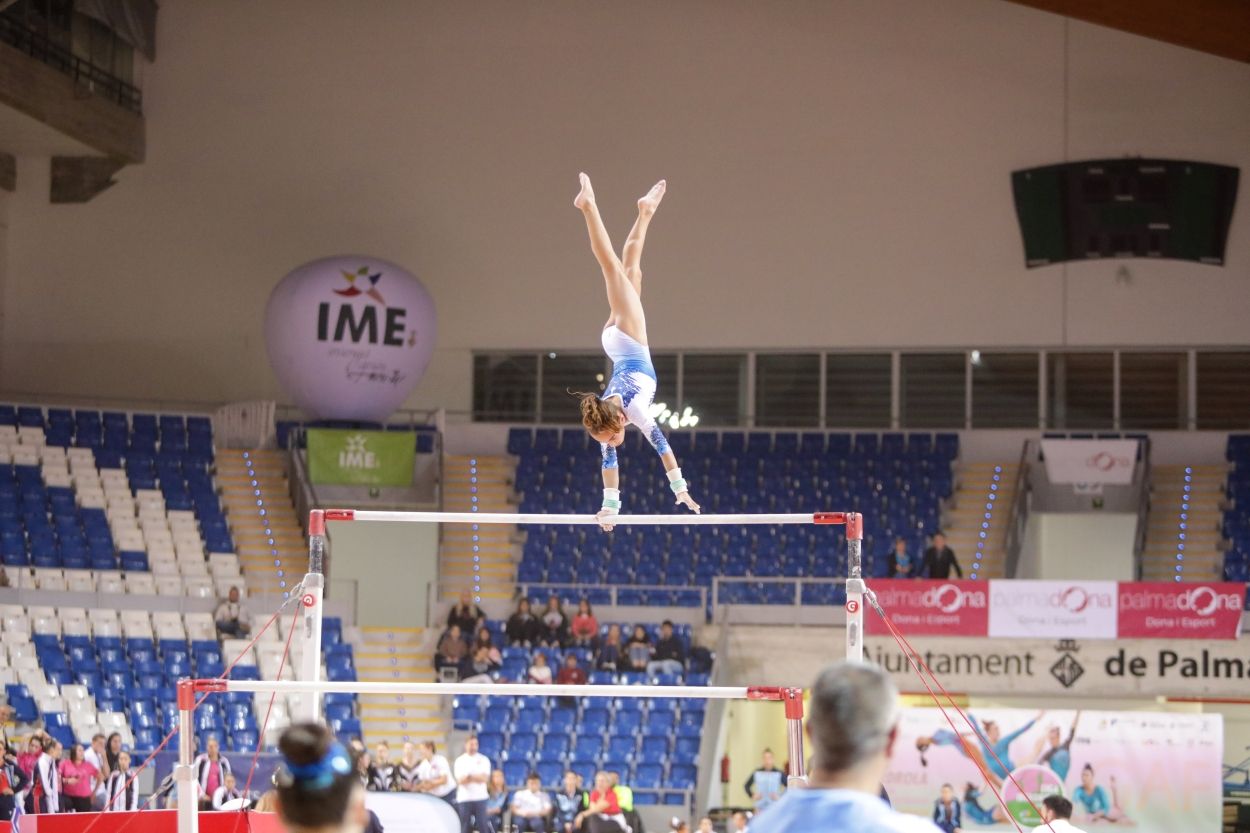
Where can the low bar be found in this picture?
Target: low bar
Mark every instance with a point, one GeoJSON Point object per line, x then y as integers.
{"type": "Point", "coordinates": [504, 689]}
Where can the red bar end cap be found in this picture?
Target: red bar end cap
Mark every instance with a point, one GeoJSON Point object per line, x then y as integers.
{"type": "Point", "coordinates": [340, 514]}
{"type": "Point", "coordinates": [854, 526]}
{"type": "Point", "coordinates": [829, 518]}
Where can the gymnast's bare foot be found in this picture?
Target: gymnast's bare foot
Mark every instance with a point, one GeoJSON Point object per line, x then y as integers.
{"type": "Point", "coordinates": [585, 197]}
{"type": "Point", "coordinates": [649, 203]}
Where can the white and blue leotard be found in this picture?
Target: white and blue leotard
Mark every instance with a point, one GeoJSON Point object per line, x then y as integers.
{"type": "Point", "coordinates": [633, 382]}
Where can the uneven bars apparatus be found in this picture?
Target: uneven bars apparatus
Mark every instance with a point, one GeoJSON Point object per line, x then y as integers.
{"type": "Point", "coordinates": [312, 599]}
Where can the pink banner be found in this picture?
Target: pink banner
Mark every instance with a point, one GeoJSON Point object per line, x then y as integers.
{"type": "Point", "coordinates": [1171, 610]}
{"type": "Point", "coordinates": [923, 607]}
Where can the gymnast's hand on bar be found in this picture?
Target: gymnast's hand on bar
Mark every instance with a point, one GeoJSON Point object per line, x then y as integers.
{"type": "Point", "coordinates": [604, 516]}
{"type": "Point", "coordinates": [684, 499]}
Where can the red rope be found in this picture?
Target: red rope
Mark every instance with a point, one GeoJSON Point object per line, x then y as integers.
{"type": "Point", "coordinates": [260, 742]}
{"type": "Point", "coordinates": [918, 663]}
{"type": "Point", "coordinates": [295, 595]}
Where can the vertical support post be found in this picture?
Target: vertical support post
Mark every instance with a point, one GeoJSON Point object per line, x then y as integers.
{"type": "Point", "coordinates": [312, 601]}
{"type": "Point", "coordinates": [184, 772]}
{"type": "Point", "coordinates": [854, 587]}
{"type": "Point", "coordinates": [793, 698]}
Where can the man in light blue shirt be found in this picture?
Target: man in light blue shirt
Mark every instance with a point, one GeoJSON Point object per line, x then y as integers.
{"type": "Point", "coordinates": [852, 725]}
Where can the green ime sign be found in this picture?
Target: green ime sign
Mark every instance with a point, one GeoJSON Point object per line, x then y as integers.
{"type": "Point", "coordinates": [361, 458]}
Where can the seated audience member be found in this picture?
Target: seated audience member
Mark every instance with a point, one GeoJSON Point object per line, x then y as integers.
{"type": "Point", "coordinates": [610, 654]}
{"type": "Point", "coordinates": [585, 627]}
{"type": "Point", "coordinates": [364, 766]}
{"type": "Point", "coordinates": [902, 563]}
{"type": "Point", "coordinates": [603, 810]}
{"type": "Point", "coordinates": [496, 799]}
{"type": "Point", "coordinates": [434, 774]}
{"type": "Point", "coordinates": [540, 671]}
{"type": "Point", "coordinates": [554, 625]}
{"type": "Point", "coordinates": [522, 627]}
{"type": "Point", "coordinates": [738, 822]}
{"type": "Point", "coordinates": [478, 668]}
{"type": "Point", "coordinates": [638, 650]}
{"type": "Point", "coordinates": [624, 795]}
{"type": "Point", "coordinates": [947, 813]}
{"type": "Point", "coordinates": [382, 772]}
{"type": "Point", "coordinates": [451, 649]}
{"type": "Point", "coordinates": [852, 721]}
{"type": "Point", "coordinates": [669, 656]}
{"type": "Point", "coordinates": [531, 807]}
{"type": "Point", "coordinates": [678, 825]}
{"type": "Point", "coordinates": [121, 790]}
{"type": "Point", "coordinates": [228, 791]}
{"type": "Point", "coordinates": [571, 673]}
{"type": "Point", "coordinates": [316, 785]}
{"type": "Point", "coordinates": [465, 614]}
{"type": "Point", "coordinates": [705, 825]}
{"type": "Point", "coordinates": [485, 640]}
{"type": "Point", "coordinates": [569, 801]}
{"type": "Point", "coordinates": [939, 560]}
{"type": "Point", "coordinates": [231, 617]}
{"type": "Point", "coordinates": [406, 778]}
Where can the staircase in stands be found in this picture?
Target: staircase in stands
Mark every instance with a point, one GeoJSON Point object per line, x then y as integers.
{"type": "Point", "coordinates": [1185, 501]}
{"type": "Point", "coordinates": [983, 489]}
{"type": "Point", "coordinates": [482, 560]}
{"type": "Point", "coordinates": [398, 655]}
{"type": "Point", "coordinates": [268, 536]}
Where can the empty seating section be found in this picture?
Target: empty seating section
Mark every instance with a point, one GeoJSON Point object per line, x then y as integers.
{"type": "Point", "coordinates": [82, 671]}
{"type": "Point", "coordinates": [1237, 510]}
{"type": "Point", "coordinates": [652, 743]}
{"type": "Point", "coordinates": [898, 481]}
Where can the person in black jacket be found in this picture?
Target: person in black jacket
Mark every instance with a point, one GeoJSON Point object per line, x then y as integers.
{"type": "Point", "coordinates": [522, 628]}
{"type": "Point", "coordinates": [465, 614]}
{"type": "Point", "coordinates": [12, 782]}
{"type": "Point", "coordinates": [939, 559]}
{"type": "Point", "coordinates": [902, 563]}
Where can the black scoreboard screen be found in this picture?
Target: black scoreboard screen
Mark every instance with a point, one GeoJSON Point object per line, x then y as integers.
{"type": "Point", "coordinates": [1125, 208]}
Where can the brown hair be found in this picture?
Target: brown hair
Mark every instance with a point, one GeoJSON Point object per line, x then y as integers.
{"type": "Point", "coordinates": [599, 414]}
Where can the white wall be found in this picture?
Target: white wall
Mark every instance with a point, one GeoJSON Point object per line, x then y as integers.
{"type": "Point", "coordinates": [1087, 545]}
{"type": "Point", "coordinates": [392, 565]}
{"type": "Point", "coordinates": [838, 177]}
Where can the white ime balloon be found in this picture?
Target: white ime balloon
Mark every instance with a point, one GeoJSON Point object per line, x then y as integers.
{"type": "Point", "coordinates": [349, 337]}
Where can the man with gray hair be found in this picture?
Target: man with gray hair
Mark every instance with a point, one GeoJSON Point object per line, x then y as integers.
{"type": "Point", "coordinates": [852, 724]}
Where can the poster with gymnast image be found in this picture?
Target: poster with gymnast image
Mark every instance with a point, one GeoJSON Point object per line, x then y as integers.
{"type": "Point", "coordinates": [1144, 771]}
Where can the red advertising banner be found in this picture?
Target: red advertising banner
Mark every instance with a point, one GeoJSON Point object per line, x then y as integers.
{"type": "Point", "coordinates": [1174, 610]}
{"type": "Point", "coordinates": [923, 607]}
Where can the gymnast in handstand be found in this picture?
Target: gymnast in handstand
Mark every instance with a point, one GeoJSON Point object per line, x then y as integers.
{"type": "Point", "coordinates": [629, 393]}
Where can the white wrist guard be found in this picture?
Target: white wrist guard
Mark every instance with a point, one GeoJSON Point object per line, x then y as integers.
{"type": "Point", "coordinates": [612, 501]}
{"type": "Point", "coordinates": [676, 482]}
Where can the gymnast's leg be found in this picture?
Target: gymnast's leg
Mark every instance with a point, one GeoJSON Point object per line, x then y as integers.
{"type": "Point", "coordinates": [631, 255]}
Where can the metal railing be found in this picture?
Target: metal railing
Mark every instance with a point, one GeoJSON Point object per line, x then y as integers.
{"type": "Point", "coordinates": [1018, 518]}
{"type": "Point", "coordinates": [1142, 480]}
{"type": "Point", "coordinates": [43, 49]}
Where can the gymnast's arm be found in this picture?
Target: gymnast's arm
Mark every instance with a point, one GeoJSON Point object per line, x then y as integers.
{"type": "Point", "coordinates": [611, 486]}
{"type": "Point", "coordinates": [655, 436]}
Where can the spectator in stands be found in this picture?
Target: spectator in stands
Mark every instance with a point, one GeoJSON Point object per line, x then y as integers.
{"type": "Point", "coordinates": [947, 813]}
{"type": "Point", "coordinates": [677, 825]}
{"type": "Point", "coordinates": [231, 617]}
{"type": "Point", "coordinates": [571, 673]}
{"type": "Point", "coordinates": [121, 790]}
{"type": "Point", "coordinates": [28, 763]}
{"type": "Point", "coordinates": [113, 750]}
{"type": "Point", "coordinates": [12, 782]}
{"type": "Point", "coordinates": [472, 771]}
{"type": "Point", "coordinates": [211, 769]}
{"type": "Point", "coordinates": [939, 560]}
{"type": "Point", "coordinates": [364, 765]}
{"type": "Point", "coordinates": [406, 778]}
{"type": "Point", "coordinates": [485, 640]}
{"type": "Point", "coordinates": [569, 801]}
{"type": "Point", "coordinates": [96, 757]}
{"type": "Point", "coordinates": [78, 781]}
{"type": "Point", "coordinates": [625, 798]}
{"type": "Point", "coordinates": [603, 809]}
{"type": "Point", "coordinates": [609, 655]}
{"type": "Point", "coordinates": [479, 667]}
{"type": "Point", "coordinates": [522, 627]}
{"type": "Point", "coordinates": [382, 772]}
{"type": "Point", "coordinates": [739, 822]}
{"type": "Point", "coordinates": [767, 783]}
{"type": "Point", "coordinates": [48, 775]}
{"type": "Point", "coordinates": [902, 565]}
{"type": "Point", "coordinates": [434, 775]}
{"type": "Point", "coordinates": [228, 791]}
{"type": "Point", "coordinates": [7, 713]}
{"type": "Point", "coordinates": [497, 799]}
{"type": "Point", "coordinates": [465, 614]}
{"type": "Point", "coordinates": [540, 671]}
{"type": "Point", "coordinates": [317, 790]}
{"type": "Point", "coordinates": [451, 649]}
{"type": "Point", "coordinates": [1056, 812]}
{"type": "Point", "coordinates": [853, 724]}
{"type": "Point", "coordinates": [669, 656]}
{"type": "Point", "coordinates": [638, 650]}
{"type": "Point", "coordinates": [554, 631]}
{"type": "Point", "coordinates": [705, 825]}
{"type": "Point", "coordinates": [585, 627]}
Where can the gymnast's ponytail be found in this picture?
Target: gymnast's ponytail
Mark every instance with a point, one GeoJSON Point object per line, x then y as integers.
{"type": "Point", "coordinates": [316, 780]}
{"type": "Point", "coordinates": [599, 415]}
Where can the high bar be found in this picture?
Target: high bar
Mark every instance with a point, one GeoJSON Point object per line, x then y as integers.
{"type": "Point", "coordinates": [505, 689]}
{"type": "Point", "coordinates": [822, 518]}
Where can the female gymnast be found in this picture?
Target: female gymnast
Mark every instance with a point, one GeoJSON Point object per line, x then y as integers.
{"type": "Point", "coordinates": [629, 393]}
